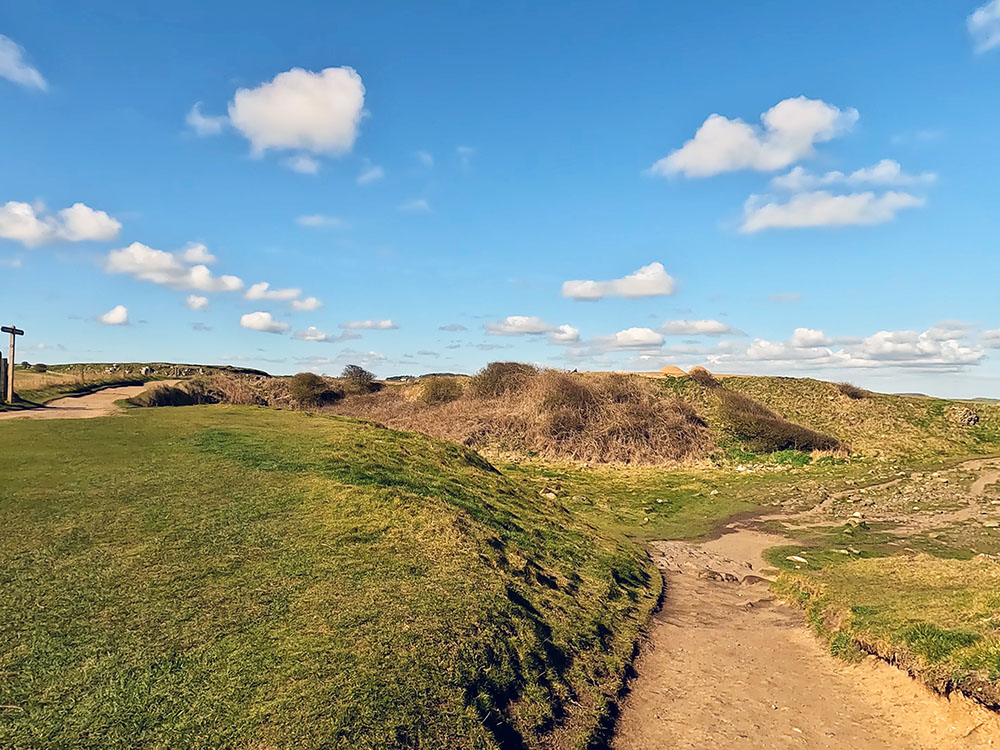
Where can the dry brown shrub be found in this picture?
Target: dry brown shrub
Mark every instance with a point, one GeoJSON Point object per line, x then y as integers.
{"type": "Point", "coordinates": [765, 431]}
{"type": "Point", "coordinates": [557, 415]}
{"type": "Point", "coordinates": [440, 390]}
{"type": "Point", "coordinates": [501, 378]}
{"type": "Point", "coordinates": [852, 391]}
{"type": "Point", "coordinates": [704, 378]}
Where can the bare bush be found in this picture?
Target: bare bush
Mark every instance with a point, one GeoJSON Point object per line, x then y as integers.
{"type": "Point", "coordinates": [852, 391]}
{"type": "Point", "coordinates": [440, 390]}
{"type": "Point", "coordinates": [501, 378]}
{"type": "Point", "coordinates": [309, 389]}
{"type": "Point", "coordinates": [704, 378]}
{"type": "Point", "coordinates": [184, 394]}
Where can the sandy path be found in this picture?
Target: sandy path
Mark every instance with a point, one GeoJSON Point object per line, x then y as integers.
{"type": "Point", "coordinates": [728, 666]}
{"type": "Point", "coordinates": [97, 404]}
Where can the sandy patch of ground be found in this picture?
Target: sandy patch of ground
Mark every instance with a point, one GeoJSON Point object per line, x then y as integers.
{"type": "Point", "coordinates": [729, 666]}
{"type": "Point", "coordinates": [98, 404]}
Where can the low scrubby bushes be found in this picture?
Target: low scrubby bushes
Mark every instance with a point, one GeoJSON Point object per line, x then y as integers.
{"type": "Point", "coordinates": [704, 378]}
{"type": "Point", "coordinates": [501, 378]}
{"type": "Point", "coordinates": [309, 389]}
{"type": "Point", "coordinates": [189, 393]}
{"type": "Point", "coordinates": [517, 408]}
{"type": "Point", "coordinates": [440, 390]}
{"type": "Point", "coordinates": [852, 391]}
{"type": "Point", "coordinates": [765, 431]}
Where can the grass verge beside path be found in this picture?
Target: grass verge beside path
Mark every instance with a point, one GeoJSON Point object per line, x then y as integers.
{"type": "Point", "coordinates": [934, 617]}
{"type": "Point", "coordinates": [238, 577]}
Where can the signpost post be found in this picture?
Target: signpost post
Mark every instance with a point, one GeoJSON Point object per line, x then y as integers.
{"type": "Point", "coordinates": [13, 331]}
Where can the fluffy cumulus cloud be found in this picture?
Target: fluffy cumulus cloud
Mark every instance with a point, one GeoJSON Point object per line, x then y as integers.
{"type": "Point", "coordinates": [15, 68]}
{"type": "Point", "coordinates": [984, 26]}
{"type": "Point", "coordinates": [262, 290]}
{"type": "Point", "coordinates": [145, 263]}
{"type": "Point", "coordinates": [116, 316]}
{"type": "Point", "coordinates": [312, 333]}
{"type": "Point", "coordinates": [369, 325]}
{"type": "Point", "coordinates": [564, 334]}
{"type": "Point", "coordinates": [699, 328]}
{"type": "Point", "coordinates": [943, 346]}
{"type": "Point", "coordinates": [630, 338]}
{"type": "Point", "coordinates": [887, 173]}
{"type": "Point", "coordinates": [824, 209]}
{"type": "Point", "coordinates": [788, 133]}
{"type": "Point", "coordinates": [262, 321]}
{"type": "Point", "coordinates": [196, 252]}
{"type": "Point", "coordinates": [991, 338]}
{"type": "Point", "coordinates": [33, 225]}
{"type": "Point", "coordinates": [648, 281]}
{"type": "Point", "coordinates": [196, 302]}
{"type": "Point", "coordinates": [313, 112]}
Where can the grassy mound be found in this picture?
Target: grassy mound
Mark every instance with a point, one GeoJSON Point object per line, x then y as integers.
{"type": "Point", "coordinates": [870, 423]}
{"type": "Point", "coordinates": [219, 576]}
{"type": "Point", "coordinates": [514, 408]}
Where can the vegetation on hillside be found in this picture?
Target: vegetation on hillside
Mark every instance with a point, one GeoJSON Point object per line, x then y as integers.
{"type": "Point", "coordinates": [221, 576]}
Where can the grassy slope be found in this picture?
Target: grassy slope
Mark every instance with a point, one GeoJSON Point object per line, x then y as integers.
{"type": "Point", "coordinates": [880, 424]}
{"type": "Point", "coordinates": [239, 577]}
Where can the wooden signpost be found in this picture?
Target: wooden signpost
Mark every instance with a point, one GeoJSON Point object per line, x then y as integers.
{"type": "Point", "coordinates": [13, 331]}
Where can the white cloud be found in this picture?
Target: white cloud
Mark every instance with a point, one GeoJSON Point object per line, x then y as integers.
{"type": "Point", "coordinates": [415, 206]}
{"type": "Point", "coordinates": [170, 269]}
{"type": "Point", "coordinates": [320, 220]}
{"type": "Point", "coordinates": [805, 338]}
{"type": "Point", "coordinates": [196, 252]}
{"type": "Point", "coordinates": [564, 334]}
{"type": "Point", "coordinates": [984, 26]}
{"type": "Point", "coordinates": [116, 316]}
{"type": "Point", "coordinates": [519, 325]}
{"type": "Point", "coordinates": [205, 124]}
{"type": "Point", "coordinates": [196, 302]}
{"type": "Point", "coordinates": [886, 173]}
{"type": "Point", "coordinates": [262, 321]}
{"type": "Point", "coordinates": [424, 158]}
{"type": "Point", "coordinates": [31, 226]}
{"type": "Point", "coordinates": [630, 338]}
{"type": "Point", "coordinates": [699, 328]}
{"type": "Point", "coordinates": [298, 109]}
{"type": "Point", "coordinates": [823, 209]}
{"type": "Point", "coordinates": [991, 339]}
{"type": "Point", "coordinates": [648, 281]}
{"type": "Point", "coordinates": [302, 163]}
{"type": "Point", "coordinates": [938, 347]}
{"type": "Point", "coordinates": [14, 68]}
{"type": "Point", "coordinates": [370, 325]}
{"type": "Point", "coordinates": [309, 303]}
{"type": "Point", "coordinates": [262, 290]}
{"type": "Point", "coordinates": [452, 327]}
{"type": "Point", "coordinates": [370, 173]}
{"type": "Point", "coordinates": [312, 333]}
{"type": "Point", "coordinates": [789, 132]}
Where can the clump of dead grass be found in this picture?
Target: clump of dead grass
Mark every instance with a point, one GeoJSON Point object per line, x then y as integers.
{"type": "Point", "coordinates": [509, 407]}
{"type": "Point", "coordinates": [704, 378]}
{"type": "Point", "coordinates": [852, 391]}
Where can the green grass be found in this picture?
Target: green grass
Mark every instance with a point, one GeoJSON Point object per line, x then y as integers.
{"type": "Point", "coordinates": [234, 577]}
{"type": "Point", "coordinates": [938, 618]}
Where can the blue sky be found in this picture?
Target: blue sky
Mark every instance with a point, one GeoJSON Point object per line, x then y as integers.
{"type": "Point", "coordinates": [791, 188]}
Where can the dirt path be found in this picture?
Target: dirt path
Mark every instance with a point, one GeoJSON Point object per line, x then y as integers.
{"type": "Point", "coordinates": [728, 666]}
{"type": "Point", "coordinates": [97, 404]}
